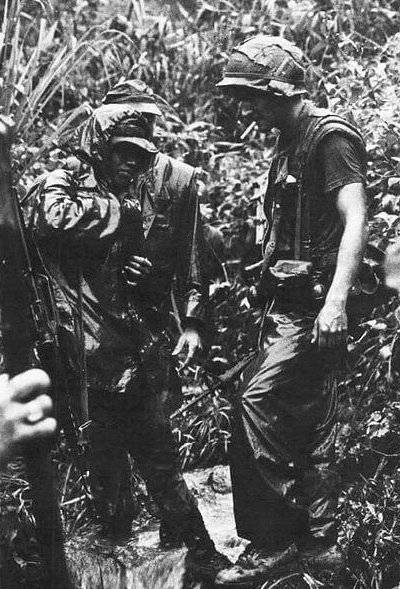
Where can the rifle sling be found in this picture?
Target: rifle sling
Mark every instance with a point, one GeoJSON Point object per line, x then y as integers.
{"type": "Point", "coordinates": [298, 241]}
{"type": "Point", "coordinates": [270, 246]}
{"type": "Point", "coordinates": [84, 400]}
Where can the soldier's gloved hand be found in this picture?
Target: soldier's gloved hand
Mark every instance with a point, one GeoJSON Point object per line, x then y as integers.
{"type": "Point", "coordinates": [190, 341]}
{"type": "Point", "coordinates": [136, 269]}
{"type": "Point", "coordinates": [24, 410]}
{"type": "Point", "coordinates": [330, 327]}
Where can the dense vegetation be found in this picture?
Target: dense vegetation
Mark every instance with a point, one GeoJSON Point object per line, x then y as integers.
{"type": "Point", "coordinates": [58, 59]}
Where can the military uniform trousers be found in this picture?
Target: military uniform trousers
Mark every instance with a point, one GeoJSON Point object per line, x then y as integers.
{"type": "Point", "coordinates": [130, 419]}
{"type": "Point", "coordinates": [282, 451]}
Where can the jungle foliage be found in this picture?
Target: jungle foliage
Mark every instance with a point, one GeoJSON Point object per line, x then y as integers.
{"type": "Point", "coordinates": [56, 62]}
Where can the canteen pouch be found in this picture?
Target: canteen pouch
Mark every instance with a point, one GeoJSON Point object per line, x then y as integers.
{"type": "Point", "coordinates": [291, 273]}
{"type": "Point", "coordinates": [297, 283]}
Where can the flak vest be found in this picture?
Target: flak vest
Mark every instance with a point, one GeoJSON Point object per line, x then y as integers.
{"type": "Point", "coordinates": [314, 126]}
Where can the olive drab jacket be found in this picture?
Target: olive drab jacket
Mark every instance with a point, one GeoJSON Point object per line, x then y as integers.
{"type": "Point", "coordinates": [83, 232]}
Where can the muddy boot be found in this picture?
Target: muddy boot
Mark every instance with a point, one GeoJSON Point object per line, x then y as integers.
{"type": "Point", "coordinates": [207, 564]}
{"type": "Point", "coordinates": [318, 556]}
{"type": "Point", "coordinates": [203, 559]}
{"type": "Point", "coordinates": [255, 566]}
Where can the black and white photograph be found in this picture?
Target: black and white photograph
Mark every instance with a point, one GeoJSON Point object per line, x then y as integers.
{"type": "Point", "coordinates": [199, 294]}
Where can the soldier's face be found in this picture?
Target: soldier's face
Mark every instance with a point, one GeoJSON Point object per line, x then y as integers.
{"type": "Point", "coordinates": [127, 162]}
{"type": "Point", "coordinates": [258, 106]}
{"type": "Point", "coordinates": [262, 110]}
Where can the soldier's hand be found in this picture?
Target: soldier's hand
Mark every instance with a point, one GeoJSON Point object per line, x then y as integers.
{"type": "Point", "coordinates": [136, 269]}
{"type": "Point", "coordinates": [189, 342]}
{"type": "Point", "coordinates": [24, 410]}
{"type": "Point", "coordinates": [330, 327]}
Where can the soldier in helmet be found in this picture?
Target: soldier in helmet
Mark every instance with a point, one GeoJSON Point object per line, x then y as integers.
{"type": "Point", "coordinates": [114, 235]}
{"type": "Point", "coordinates": [282, 450]}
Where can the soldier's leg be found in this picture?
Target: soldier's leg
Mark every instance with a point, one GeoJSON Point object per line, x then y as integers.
{"type": "Point", "coordinates": [281, 408]}
{"type": "Point", "coordinates": [109, 468]}
{"type": "Point", "coordinates": [317, 484]}
{"type": "Point", "coordinates": [152, 445]}
{"type": "Point", "coordinates": [279, 412]}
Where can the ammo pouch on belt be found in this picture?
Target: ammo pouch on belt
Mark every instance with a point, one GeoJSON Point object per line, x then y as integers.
{"type": "Point", "coordinates": [295, 282]}
{"type": "Point", "coordinates": [290, 275]}
{"type": "Point", "coordinates": [300, 283]}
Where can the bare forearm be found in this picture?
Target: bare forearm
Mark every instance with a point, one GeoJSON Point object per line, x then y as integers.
{"type": "Point", "coordinates": [351, 205]}
{"type": "Point", "coordinates": [348, 261]}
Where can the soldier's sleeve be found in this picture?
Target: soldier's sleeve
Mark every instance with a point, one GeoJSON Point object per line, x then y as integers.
{"type": "Point", "coordinates": [59, 206]}
{"type": "Point", "coordinates": [340, 162]}
{"type": "Point", "coordinates": [191, 269]}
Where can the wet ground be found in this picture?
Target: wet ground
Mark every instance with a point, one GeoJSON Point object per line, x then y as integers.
{"type": "Point", "coordinates": [140, 563]}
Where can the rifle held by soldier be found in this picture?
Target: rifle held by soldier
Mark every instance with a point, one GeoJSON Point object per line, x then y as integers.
{"type": "Point", "coordinates": [29, 339]}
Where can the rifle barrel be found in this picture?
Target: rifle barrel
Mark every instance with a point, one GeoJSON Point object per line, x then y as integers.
{"type": "Point", "coordinates": [19, 298]}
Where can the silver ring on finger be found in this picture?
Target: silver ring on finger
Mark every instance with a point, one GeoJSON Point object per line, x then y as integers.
{"type": "Point", "coordinates": [34, 417]}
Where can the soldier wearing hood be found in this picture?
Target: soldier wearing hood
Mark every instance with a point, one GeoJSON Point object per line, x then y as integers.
{"type": "Point", "coordinates": [138, 94]}
{"type": "Point", "coordinates": [113, 238]}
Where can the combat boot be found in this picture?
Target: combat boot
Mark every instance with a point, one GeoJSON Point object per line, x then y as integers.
{"type": "Point", "coordinates": [255, 566]}
{"type": "Point", "coordinates": [319, 556]}
{"type": "Point", "coordinates": [206, 564]}
{"type": "Point", "coordinates": [203, 559]}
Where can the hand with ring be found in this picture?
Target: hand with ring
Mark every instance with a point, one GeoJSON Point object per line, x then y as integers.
{"type": "Point", "coordinates": [25, 410]}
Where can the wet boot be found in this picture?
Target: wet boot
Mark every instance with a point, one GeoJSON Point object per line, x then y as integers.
{"type": "Point", "coordinates": [255, 566]}
{"type": "Point", "coordinates": [203, 559]}
{"type": "Point", "coordinates": [318, 554]}
{"type": "Point", "coordinates": [207, 564]}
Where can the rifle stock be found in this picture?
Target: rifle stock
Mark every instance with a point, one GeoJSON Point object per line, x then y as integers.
{"type": "Point", "coordinates": [28, 340]}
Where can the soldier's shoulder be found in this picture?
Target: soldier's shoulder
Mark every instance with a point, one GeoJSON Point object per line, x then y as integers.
{"type": "Point", "coordinates": [62, 178]}
{"type": "Point", "coordinates": [173, 173]}
{"type": "Point", "coordinates": [334, 120]}
{"type": "Point", "coordinates": [321, 123]}
{"type": "Point", "coordinates": [58, 177]}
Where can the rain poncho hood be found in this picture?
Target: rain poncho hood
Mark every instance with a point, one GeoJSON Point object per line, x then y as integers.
{"type": "Point", "coordinates": [136, 93]}
{"type": "Point", "coordinates": [112, 121]}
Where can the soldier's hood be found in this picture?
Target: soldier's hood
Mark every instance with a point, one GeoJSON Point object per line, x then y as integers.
{"type": "Point", "coordinates": [136, 93]}
{"type": "Point", "coordinates": [109, 121]}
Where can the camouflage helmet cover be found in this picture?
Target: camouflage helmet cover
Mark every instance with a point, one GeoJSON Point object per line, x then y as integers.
{"type": "Point", "coordinates": [266, 63]}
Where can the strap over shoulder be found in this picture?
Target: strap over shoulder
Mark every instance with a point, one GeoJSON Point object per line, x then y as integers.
{"type": "Point", "coordinates": [171, 172]}
{"type": "Point", "coordinates": [315, 126]}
